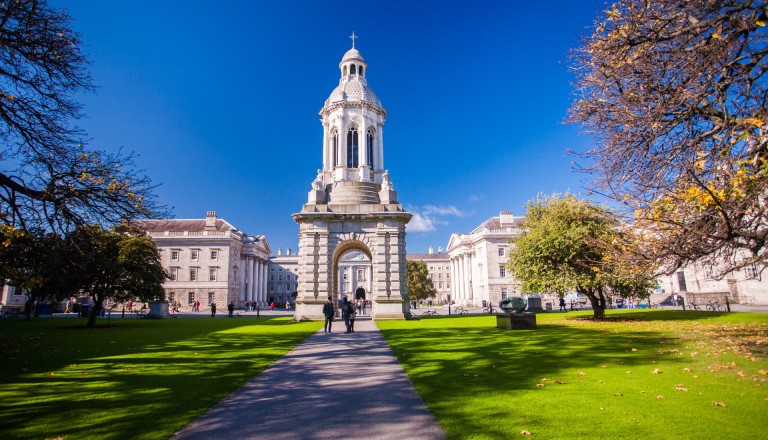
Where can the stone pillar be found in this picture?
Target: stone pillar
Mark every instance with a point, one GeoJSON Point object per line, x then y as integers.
{"type": "Point", "coordinates": [468, 278]}
{"type": "Point", "coordinates": [263, 284]}
{"type": "Point", "coordinates": [379, 162]}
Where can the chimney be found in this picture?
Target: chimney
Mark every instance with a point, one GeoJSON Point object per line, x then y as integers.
{"type": "Point", "coordinates": [210, 220]}
{"type": "Point", "coordinates": [506, 218]}
{"type": "Point", "coordinates": [431, 250]}
{"type": "Point", "coordinates": [279, 251]}
{"type": "Point", "coordinates": [439, 249]}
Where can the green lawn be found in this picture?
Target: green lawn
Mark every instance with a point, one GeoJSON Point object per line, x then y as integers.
{"type": "Point", "coordinates": [135, 379]}
{"type": "Point", "coordinates": [641, 374]}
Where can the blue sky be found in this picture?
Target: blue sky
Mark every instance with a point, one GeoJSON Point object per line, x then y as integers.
{"type": "Point", "coordinates": [221, 99]}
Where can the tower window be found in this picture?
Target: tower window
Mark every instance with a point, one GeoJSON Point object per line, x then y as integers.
{"type": "Point", "coordinates": [345, 70]}
{"type": "Point", "coordinates": [335, 150]}
{"type": "Point", "coordinates": [352, 69]}
{"type": "Point", "coordinates": [361, 70]}
{"type": "Point", "coordinates": [353, 160]}
{"type": "Point", "coordinates": [369, 147]}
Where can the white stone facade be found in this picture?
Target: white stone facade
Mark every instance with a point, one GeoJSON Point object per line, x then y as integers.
{"type": "Point", "coordinates": [352, 205]}
{"type": "Point", "coordinates": [745, 286]}
{"type": "Point", "coordinates": [210, 261]}
{"type": "Point", "coordinates": [478, 261]}
{"type": "Point", "coordinates": [283, 277]}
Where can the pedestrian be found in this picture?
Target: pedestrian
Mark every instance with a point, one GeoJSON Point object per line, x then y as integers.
{"type": "Point", "coordinates": [287, 306]}
{"type": "Point", "coordinates": [328, 312]}
{"type": "Point", "coordinates": [213, 310]}
{"type": "Point", "coordinates": [352, 313]}
{"type": "Point", "coordinates": [345, 309]}
{"type": "Point", "coordinates": [562, 305]}
{"type": "Point", "coordinates": [365, 304]}
{"type": "Point", "coordinates": [231, 309]}
{"type": "Point", "coordinates": [272, 306]}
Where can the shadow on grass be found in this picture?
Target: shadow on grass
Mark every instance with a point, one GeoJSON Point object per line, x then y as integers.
{"type": "Point", "coordinates": [452, 361]}
{"type": "Point", "coordinates": [134, 379]}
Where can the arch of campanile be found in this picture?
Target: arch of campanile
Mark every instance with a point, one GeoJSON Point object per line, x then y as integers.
{"type": "Point", "coordinates": [352, 204]}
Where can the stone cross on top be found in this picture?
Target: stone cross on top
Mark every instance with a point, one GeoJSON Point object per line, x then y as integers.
{"type": "Point", "coordinates": [353, 37]}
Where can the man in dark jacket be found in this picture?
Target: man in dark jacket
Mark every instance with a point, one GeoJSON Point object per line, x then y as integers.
{"type": "Point", "coordinates": [328, 313]}
{"type": "Point", "coordinates": [345, 309]}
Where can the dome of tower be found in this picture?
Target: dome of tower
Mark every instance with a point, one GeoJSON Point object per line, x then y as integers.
{"type": "Point", "coordinates": [353, 90]}
{"type": "Point", "coordinates": [352, 54]}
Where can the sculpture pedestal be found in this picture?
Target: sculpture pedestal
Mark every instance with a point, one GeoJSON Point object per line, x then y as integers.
{"type": "Point", "coordinates": [534, 305]}
{"type": "Point", "coordinates": [158, 310]}
{"type": "Point", "coordinates": [516, 321]}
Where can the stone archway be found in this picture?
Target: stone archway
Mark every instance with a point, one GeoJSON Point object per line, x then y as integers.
{"type": "Point", "coordinates": [342, 249]}
{"type": "Point", "coordinates": [360, 293]}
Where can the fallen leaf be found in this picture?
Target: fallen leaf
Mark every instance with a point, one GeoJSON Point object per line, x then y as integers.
{"type": "Point", "coordinates": [544, 379]}
{"type": "Point", "coordinates": [559, 382]}
{"type": "Point", "coordinates": [680, 387]}
{"type": "Point", "coordinates": [660, 397]}
{"type": "Point", "coordinates": [656, 371]}
{"type": "Point", "coordinates": [539, 385]}
{"type": "Point", "coordinates": [763, 372]}
{"type": "Point", "coordinates": [605, 366]}
{"type": "Point", "coordinates": [688, 370]}
{"type": "Point", "coordinates": [617, 394]}
{"type": "Point", "coordinates": [741, 373]}
{"type": "Point", "coordinates": [524, 432]}
{"type": "Point", "coordinates": [634, 349]}
{"type": "Point", "coordinates": [466, 375]}
{"type": "Point", "coordinates": [719, 404]}
{"type": "Point", "coordinates": [581, 373]}
{"type": "Point", "coordinates": [629, 372]}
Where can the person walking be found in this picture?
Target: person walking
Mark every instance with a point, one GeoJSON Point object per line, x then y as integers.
{"type": "Point", "coordinates": [345, 308]}
{"type": "Point", "coordinates": [352, 314]}
{"type": "Point", "coordinates": [231, 309]}
{"type": "Point", "coordinates": [213, 310]}
{"type": "Point", "coordinates": [328, 312]}
{"type": "Point", "coordinates": [562, 305]}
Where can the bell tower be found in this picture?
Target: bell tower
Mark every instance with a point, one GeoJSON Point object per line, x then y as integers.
{"type": "Point", "coordinates": [352, 205]}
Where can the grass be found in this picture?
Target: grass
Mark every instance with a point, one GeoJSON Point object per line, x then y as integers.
{"type": "Point", "coordinates": [639, 374]}
{"type": "Point", "coordinates": [137, 379]}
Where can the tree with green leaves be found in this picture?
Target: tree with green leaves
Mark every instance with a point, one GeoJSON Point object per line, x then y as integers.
{"type": "Point", "coordinates": [420, 285]}
{"type": "Point", "coordinates": [49, 179]}
{"type": "Point", "coordinates": [675, 95]}
{"type": "Point", "coordinates": [568, 244]}
{"type": "Point", "coordinates": [118, 265]}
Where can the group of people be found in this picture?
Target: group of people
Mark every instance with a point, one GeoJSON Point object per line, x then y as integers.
{"type": "Point", "coordinates": [349, 310]}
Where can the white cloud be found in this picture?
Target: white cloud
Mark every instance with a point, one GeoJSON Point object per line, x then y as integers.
{"type": "Point", "coordinates": [427, 218]}
{"type": "Point", "coordinates": [443, 210]}
{"type": "Point", "coordinates": [420, 223]}
{"type": "Point", "coordinates": [476, 197]}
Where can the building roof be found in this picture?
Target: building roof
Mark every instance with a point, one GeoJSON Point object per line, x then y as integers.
{"type": "Point", "coordinates": [428, 256]}
{"type": "Point", "coordinates": [180, 225]}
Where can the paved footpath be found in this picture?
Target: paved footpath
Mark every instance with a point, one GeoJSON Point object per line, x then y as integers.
{"type": "Point", "coordinates": [332, 386]}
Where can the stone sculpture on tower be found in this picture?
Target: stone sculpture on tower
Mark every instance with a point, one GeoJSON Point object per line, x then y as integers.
{"type": "Point", "coordinates": [352, 205]}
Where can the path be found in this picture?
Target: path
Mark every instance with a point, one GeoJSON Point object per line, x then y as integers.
{"type": "Point", "coordinates": [331, 386]}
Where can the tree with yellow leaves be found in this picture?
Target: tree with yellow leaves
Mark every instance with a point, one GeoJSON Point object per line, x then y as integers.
{"type": "Point", "coordinates": [675, 95]}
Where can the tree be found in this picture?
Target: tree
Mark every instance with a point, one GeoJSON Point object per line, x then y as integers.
{"type": "Point", "coordinates": [36, 263]}
{"type": "Point", "coordinates": [569, 244]}
{"type": "Point", "coordinates": [675, 93]}
{"type": "Point", "coordinates": [118, 265]}
{"type": "Point", "coordinates": [49, 179]}
{"type": "Point", "coordinates": [420, 285]}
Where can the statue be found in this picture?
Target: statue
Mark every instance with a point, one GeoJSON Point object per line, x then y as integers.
{"type": "Point", "coordinates": [513, 304]}
{"type": "Point", "coordinates": [385, 182]}
{"type": "Point", "coordinates": [317, 184]}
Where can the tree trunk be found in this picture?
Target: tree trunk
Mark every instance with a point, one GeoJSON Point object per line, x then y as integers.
{"type": "Point", "coordinates": [94, 312]}
{"type": "Point", "coordinates": [598, 303]}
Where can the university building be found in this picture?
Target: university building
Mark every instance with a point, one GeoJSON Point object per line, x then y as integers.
{"type": "Point", "coordinates": [478, 262]}
{"type": "Point", "coordinates": [439, 268]}
{"type": "Point", "coordinates": [210, 261]}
